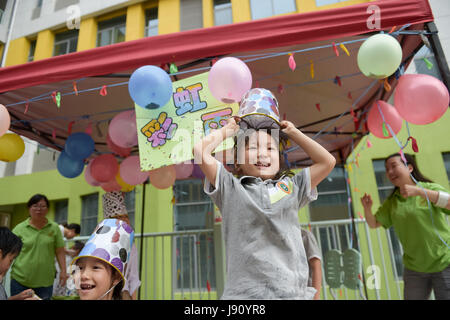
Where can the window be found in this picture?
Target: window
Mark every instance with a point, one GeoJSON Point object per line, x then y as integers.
{"type": "Point", "coordinates": [446, 157]}
{"type": "Point", "coordinates": [32, 50]}
{"type": "Point", "coordinates": [194, 253]}
{"type": "Point", "coordinates": [130, 204]}
{"type": "Point", "coordinates": [332, 204]}
{"type": "Point", "coordinates": [320, 3]}
{"type": "Point", "coordinates": [62, 4]}
{"type": "Point", "coordinates": [2, 8]}
{"type": "Point", "coordinates": [89, 214]}
{"type": "Point", "coordinates": [385, 188]}
{"type": "Point", "coordinates": [422, 61]}
{"type": "Point", "coordinates": [111, 31]}
{"type": "Point", "coordinates": [36, 13]}
{"type": "Point", "coordinates": [151, 22]}
{"type": "Point", "coordinates": [65, 42]}
{"type": "Point", "coordinates": [222, 12]}
{"type": "Point", "coordinates": [61, 211]}
{"type": "Point", "coordinates": [267, 8]}
{"type": "Point", "coordinates": [191, 16]}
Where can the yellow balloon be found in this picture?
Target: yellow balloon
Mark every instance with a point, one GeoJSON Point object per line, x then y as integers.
{"type": "Point", "coordinates": [125, 186]}
{"type": "Point", "coordinates": [12, 147]}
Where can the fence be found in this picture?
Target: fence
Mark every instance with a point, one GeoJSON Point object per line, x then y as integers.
{"type": "Point", "coordinates": [191, 264]}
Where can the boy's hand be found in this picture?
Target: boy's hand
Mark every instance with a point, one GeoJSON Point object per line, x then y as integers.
{"type": "Point", "coordinates": [232, 126]}
{"type": "Point", "coordinates": [288, 127]}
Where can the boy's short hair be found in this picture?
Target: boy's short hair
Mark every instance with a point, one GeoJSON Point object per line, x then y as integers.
{"type": "Point", "coordinates": [74, 226]}
{"type": "Point", "coordinates": [9, 242]}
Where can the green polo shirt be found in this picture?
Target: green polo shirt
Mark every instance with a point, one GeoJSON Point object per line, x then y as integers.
{"type": "Point", "coordinates": [35, 265]}
{"type": "Point", "coordinates": [423, 250]}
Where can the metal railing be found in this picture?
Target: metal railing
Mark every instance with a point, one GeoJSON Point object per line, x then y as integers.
{"type": "Point", "coordinates": [190, 264]}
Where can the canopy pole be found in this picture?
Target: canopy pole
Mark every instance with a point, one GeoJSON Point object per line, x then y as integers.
{"type": "Point", "coordinates": [439, 53]}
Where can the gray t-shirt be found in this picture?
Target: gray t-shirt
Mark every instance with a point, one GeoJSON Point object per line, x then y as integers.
{"type": "Point", "coordinates": [311, 248]}
{"type": "Point", "coordinates": [264, 249]}
{"type": "Point", "coordinates": [2, 292]}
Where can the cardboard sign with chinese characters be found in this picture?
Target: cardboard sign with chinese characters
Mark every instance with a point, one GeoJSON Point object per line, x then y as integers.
{"type": "Point", "coordinates": [167, 135]}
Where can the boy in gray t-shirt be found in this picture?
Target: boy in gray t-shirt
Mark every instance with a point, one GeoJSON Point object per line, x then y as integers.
{"type": "Point", "coordinates": [264, 251]}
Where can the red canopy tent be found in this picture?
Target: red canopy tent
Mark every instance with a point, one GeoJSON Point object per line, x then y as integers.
{"type": "Point", "coordinates": [263, 44]}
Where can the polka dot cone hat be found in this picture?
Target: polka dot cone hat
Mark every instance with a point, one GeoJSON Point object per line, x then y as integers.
{"type": "Point", "coordinates": [110, 242]}
{"type": "Point", "coordinates": [259, 109]}
{"type": "Point", "coordinates": [113, 204]}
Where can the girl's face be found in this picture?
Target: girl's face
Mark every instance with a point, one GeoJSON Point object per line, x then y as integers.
{"type": "Point", "coordinates": [39, 210]}
{"type": "Point", "coordinates": [5, 262]}
{"type": "Point", "coordinates": [260, 157]}
{"type": "Point", "coordinates": [397, 172]}
{"type": "Point", "coordinates": [95, 279]}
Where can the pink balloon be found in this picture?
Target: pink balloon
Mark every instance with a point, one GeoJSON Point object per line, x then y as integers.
{"type": "Point", "coordinates": [183, 170]}
{"type": "Point", "coordinates": [88, 176]}
{"type": "Point", "coordinates": [122, 152]}
{"type": "Point", "coordinates": [122, 129]}
{"type": "Point", "coordinates": [5, 120]}
{"type": "Point", "coordinates": [375, 120]}
{"type": "Point", "coordinates": [420, 98]}
{"type": "Point", "coordinates": [111, 185]}
{"type": "Point", "coordinates": [104, 168]}
{"type": "Point", "coordinates": [163, 178]}
{"type": "Point", "coordinates": [130, 171]}
{"type": "Point", "coordinates": [229, 79]}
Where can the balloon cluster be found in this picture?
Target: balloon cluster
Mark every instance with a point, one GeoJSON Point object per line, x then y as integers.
{"type": "Point", "coordinates": [419, 98]}
{"type": "Point", "coordinates": [78, 147]}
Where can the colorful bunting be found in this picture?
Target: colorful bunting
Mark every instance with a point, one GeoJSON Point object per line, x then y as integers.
{"type": "Point", "coordinates": [26, 108]}
{"type": "Point", "coordinates": [344, 49]}
{"type": "Point", "coordinates": [337, 81]}
{"type": "Point", "coordinates": [318, 106]}
{"type": "Point", "coordinates": [75, 88]}
{"type": "Point", "coordinates": [103, 91]}
{"type": "Point", "coordinates": [428, 63]}
{"type": "Point", "coordinates": [311, 68]}
{"type": "Point", "coordinates": [291, 62]}
{"type": "Point", "coordinates": [336, 52]}
{"type": "Point", "coordinates": [414, 145]}
{"type": "Point", "coordinates": [173, 68]}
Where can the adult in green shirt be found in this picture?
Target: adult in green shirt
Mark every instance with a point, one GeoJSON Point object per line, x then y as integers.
{"type": "Point", "coordinates": [34, 268]}
{"type": "Point", "coordinates": [424, 235]}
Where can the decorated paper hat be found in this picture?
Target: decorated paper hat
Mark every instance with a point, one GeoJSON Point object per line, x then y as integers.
{"type": "Point", "coordinates": [114, 205]}
{"type": "Point", "coordinates": [259, 109]}
{"type": "Point", "coordinates": [110, 242]}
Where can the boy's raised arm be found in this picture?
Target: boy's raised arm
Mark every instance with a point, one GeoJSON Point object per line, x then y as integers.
{"type": "Point", "coordinates": [323, 161]}
{"type": "Point", "coordinates": [204, 148]}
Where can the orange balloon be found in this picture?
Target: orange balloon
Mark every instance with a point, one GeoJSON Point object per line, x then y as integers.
{"type": "Point", "coordinates": [163, 178]}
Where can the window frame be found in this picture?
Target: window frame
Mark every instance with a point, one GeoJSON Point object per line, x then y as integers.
{"type": "Point", "coordinates": [112, 25]}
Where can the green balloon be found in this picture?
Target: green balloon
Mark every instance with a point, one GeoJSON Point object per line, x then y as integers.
{"type": "Point", "coordinates": [379, 56]}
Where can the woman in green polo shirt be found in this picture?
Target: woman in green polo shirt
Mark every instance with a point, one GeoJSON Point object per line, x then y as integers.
{"type": "Point", "coordinates": [424, 235]}
{"type": "Point", "coordinates": [42, 240]}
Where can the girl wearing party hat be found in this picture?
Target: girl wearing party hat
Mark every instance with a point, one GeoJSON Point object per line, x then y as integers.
{"type": "Point", "coordinates": [265, 254]}
{"type": "Point", "coordinates": [114, 208]}
{"type": "Point", "coordinates": [99, 269]}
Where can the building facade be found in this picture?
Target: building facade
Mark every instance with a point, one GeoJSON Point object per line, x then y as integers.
{"type": "Point", "coordinates": [181, 247]}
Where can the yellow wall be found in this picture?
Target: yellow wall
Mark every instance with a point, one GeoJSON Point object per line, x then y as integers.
{"type": "Point", "coordinates": [135, 22]}
{"type": "Point", "coordinates": [87, 35]}
{"type": "Point", "coordinates": [44, 45]}
{"type": "Point", "coordinates": [169, 10]}
{"type": "Point", "coordinates": [18, 51]}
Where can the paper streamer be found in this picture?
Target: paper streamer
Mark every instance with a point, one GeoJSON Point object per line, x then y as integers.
{"type": "Point", "coordinates": [291, 62]}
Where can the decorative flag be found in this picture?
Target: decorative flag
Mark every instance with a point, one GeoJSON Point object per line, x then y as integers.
{"type": "Point", "coordinates": [103, 91]}
{"type": "Point", "coordinates": [369, 144]}
{"type": "Point", "coordinates": [428, 63]}
{"type": "Point", "coordinates": [291, 62]}
{"type": "Point", "coordinates": [414, 145]}
{"type": "Point", "coordinates": [337, 81]}
{"type": "Point", "coordinates": [309, 227]}
{"type": "Point", "coordinates": [385, 131]}
{"type": "Point", "coordinates": [56, 96]}
{"type": "Point", "coordinates": [208, 286]}
{"type": "Point", "coordinates": [386, 85]}
{"type": "Point", "coordinates": [312, 68]}
{"type": "Point", "coordinates": [26, 108]}
{"type": "Point", "coordinates": [75, 88]}
{"type": "Point", "coordinates": [335, 49]}
{"type": "Point", "coordinates": [173, 68]}
{"type": "Point", "coordinates": [344, 49]}
{"type": "Point", "coordinates": [393, 29]}
{"type": "Point", "coordinates": [280, 88]}
{"type": "Point", "coordinates": [89, 129]}
{"type": "Point", "coordinates": [69, 128]}
{"type": "Point", "coordinates": [318, 106]}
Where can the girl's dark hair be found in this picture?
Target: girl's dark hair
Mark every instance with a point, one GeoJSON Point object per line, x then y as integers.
{"type": "Point", "coordinates": [284, 169]}
{"type": "Point", "coordinates": [415, 173]}
{"type": "Point", "coordinates": [9, 242]}
{"type": "Point", "coordinates": [36, 198]}
{"type": "Point", "coordinates": [117, 291]}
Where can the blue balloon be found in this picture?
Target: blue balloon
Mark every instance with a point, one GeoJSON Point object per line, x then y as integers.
{"type": "Point", "coordinates": [79, 146]}
{"type": "Point", "coordinates": [69, 167]}
{"type": "Point", "coordinates": [150, 87]}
